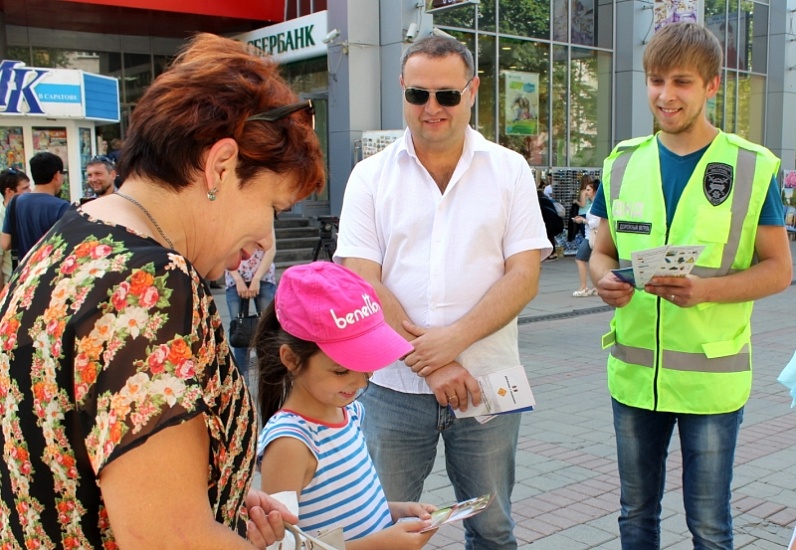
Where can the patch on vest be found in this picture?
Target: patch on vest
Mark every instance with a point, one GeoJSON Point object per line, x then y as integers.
{"type": "Point", "coordinates": [640, 228]}
{"type": "Point", "coordinates": [717, 182]}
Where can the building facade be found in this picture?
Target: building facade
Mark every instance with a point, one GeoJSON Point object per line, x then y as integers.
{"type": "Point", "coordinates": [561, 80]}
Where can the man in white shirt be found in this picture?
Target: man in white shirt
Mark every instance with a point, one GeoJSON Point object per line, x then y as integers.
{"type": "Point", "coordinates": [446, 226]}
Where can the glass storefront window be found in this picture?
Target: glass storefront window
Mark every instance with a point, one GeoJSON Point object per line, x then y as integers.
{"type": "Point", "coordinates": [487, 100]}
{"type": "Point", "coordinates": [486, 15]}
{"type": "Point", "coordinates": [161, 63]}
{"type": "Point", "coordinates": [751, 107]}
{"type": "Point", "coordinates": [19, 53]}
{"type": "Point", "coordinates": [463, 16]}
{"type": "Point", "coordinates": [590, 107]}
{"type": "Point", "coordinates": [523, 110]}
{"type": "Point", "coordinates": [757, 34]}
{"type": "Point", "coordinates": [715, 107]}
{"type": "Point", "coordinates": [137, 75]}
{"type": "Point", "coordinates": [309, 78]}
{"type": "Point", "coordinates": [310, 75]}
{"type": "Point", "coordinates": [460, 17]}
{"type": "Point", "coordinates": [558, 138]}
{"type": "Point", "coordinates": [529, 18]}
{"type": "Point", "coordinates": [604, 24]}
{"type": "Point", "coordinates": [561, 20]}
{"type": "Point", "coordinates": [730, 89]}
{"type": "Point", "coordinates": [583, 24]}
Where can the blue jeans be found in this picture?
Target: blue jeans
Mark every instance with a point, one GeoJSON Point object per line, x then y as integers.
{"type": "Point", "coordinates": [402, 431]}
{"type": "Point", "coordinates": [707, 444]}
{"type": "Point", "coordinates": [267, 291]}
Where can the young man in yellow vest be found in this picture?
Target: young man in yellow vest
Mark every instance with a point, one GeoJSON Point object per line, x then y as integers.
{"type": "Point", "coordinates": [680, 346]}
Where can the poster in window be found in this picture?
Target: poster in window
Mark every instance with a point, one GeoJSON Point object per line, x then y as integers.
{"type": "Point", "coordinates": [521, 111]}
{"type": "Point", "coordinates": [672, 11]}
{"type": "Point", "coordinates": [12, 152]}
{"type": "Point", "coordinates": [788, 189]}
{"type": "Point", "coordinates": [85, 155]}
{"type": "Point", "coordinates": [53, 140]}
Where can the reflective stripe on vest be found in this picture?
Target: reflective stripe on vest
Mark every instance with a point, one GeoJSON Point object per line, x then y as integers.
{"type": "Point", "coordinates": [745, 170]}
{"type": "Point", "coordinates": [683, 361]}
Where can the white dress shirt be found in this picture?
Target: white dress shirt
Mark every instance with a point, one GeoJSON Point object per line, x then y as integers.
{"type": "Point", "coordinates": [441, 252]}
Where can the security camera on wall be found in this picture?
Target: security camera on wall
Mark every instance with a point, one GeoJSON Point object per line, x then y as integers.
{"type": "Point", "coordinates": [411, 32]}
{"type": "Point", "coordinates": [331, 35]}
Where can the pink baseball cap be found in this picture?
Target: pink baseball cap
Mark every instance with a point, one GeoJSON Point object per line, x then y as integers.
{"type": "Point", "coordinates": [330, 305]}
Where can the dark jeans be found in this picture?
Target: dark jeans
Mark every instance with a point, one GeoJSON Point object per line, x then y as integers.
{"type": "Point", "coordinates": [707, 443]}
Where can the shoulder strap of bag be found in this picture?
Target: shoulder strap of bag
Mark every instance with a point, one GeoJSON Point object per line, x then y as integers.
{"type": "Point", "coordinates": [11, 214]}
{"type": "Point", "coordinates": [244, 308]}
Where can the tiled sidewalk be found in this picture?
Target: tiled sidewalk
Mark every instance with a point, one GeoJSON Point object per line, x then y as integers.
{"type": "Point", "coordinates": [566, 497]}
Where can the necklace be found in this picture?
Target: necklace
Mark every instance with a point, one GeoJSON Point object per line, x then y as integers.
{"type": "Point", "coordinates": [148, 215]}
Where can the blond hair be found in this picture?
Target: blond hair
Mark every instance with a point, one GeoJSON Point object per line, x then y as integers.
{"type": "Point", "coordinates": [684, 45]}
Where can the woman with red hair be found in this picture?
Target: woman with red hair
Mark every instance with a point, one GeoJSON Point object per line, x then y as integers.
{"type": "Point", "coordinates": [125, 422]}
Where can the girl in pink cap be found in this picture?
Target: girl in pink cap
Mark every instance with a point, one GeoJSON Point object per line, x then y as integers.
{"type": "Point", "coordinates": [317, 344]}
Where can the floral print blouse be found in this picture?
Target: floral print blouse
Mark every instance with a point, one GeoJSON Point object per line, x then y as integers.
{"type": "Point", "coordinates": [106, 338]}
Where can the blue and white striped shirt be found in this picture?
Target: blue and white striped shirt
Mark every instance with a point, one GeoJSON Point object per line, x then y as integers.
{"type": "Point", "coordinates": [345, 489]}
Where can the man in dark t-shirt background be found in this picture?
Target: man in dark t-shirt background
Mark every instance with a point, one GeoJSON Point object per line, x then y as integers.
{"type": "Point", "coordinates": [29, 216]}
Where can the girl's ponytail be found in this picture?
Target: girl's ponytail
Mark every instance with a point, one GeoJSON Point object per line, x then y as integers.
{"type": "Point", "coordinates": [275, 380]}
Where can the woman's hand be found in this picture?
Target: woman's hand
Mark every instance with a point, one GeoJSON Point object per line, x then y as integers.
{"type": "Point", "coordinates": [242, 288]}
{"type": "Point", "coordinates": [254, 288]}
{"type": "Point", "coordinates": [267, 517]}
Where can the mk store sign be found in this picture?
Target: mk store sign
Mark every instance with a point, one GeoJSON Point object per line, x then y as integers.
{"type": "Point", "coordinates": [57, 93]}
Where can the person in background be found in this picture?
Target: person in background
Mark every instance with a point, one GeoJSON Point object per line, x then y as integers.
{"type": "Point", "coordinates": [12, 182]}
{"type": "Point", "coordinates": [317, 346]}
{"type": "Point", "coordinates": [115, 155]}
{"type": "Point", "coordinates": [132, 427]}
{"type": "Point", "coordinates": [548, 188]}
{"type": "Point", "coordinates": [553, 223]}
{"type": "Point", "coordinates": [30, 215]}
{"type": "Point", "coordinates": [590, 223]}
{"type": "Point", "coordinates": [412, 217]}
{"type": "Point", "coordinates": [581, 204]}
{"type": "Point", "coordinates": [253, 281]}
{"type": "Point", "coordinates": [101, 175]}
{"type": "Point", "coordinates": [681, 349]}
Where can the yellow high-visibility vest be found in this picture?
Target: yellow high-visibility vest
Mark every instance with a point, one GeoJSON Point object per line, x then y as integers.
{"type": "Point", "coordinates": [663, 357]}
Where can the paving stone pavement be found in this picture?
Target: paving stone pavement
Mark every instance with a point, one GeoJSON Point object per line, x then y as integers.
{"type": "Point", "coordinates": [566, 496]}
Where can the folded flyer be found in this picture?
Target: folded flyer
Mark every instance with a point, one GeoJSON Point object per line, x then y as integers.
{"type": "Point", "coordinates": [505, 391]}
{"type": "Point", "coordinates": [459, 511]}
{"type": "Point", "coordinates": [663, 261]}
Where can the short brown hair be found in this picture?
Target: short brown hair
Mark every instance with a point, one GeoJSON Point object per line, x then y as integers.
{"type": "Point", "coordinates": [206, 95]}
{"type": "Point", "coordinates": [684, 45]}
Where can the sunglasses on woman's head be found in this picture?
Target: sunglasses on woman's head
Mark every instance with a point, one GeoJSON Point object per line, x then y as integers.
{"type": "Point", "coordinates": [446, 98]}
{"type": "Point", "coordinates": [279, 113]}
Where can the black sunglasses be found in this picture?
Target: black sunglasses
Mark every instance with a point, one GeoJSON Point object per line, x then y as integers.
{"type": "Point", "coordinates": [101, 158]}
{"type": "Point", "coordinates": [272, 115]}
{"type": "Point", "coordinates": [446, 98]}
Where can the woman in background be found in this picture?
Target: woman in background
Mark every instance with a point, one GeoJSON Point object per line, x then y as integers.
{"type": "Point", "coordinates": [125, 424]}
{"type": "Point", "coordinates": [253, 281]}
